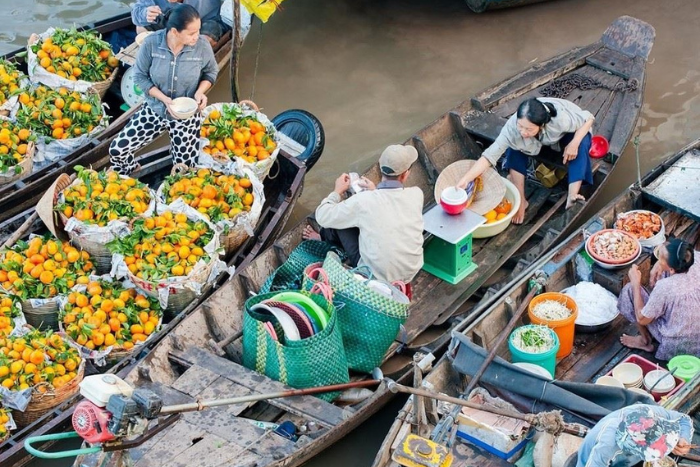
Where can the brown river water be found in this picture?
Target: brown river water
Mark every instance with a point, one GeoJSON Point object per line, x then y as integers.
{"type": "Point", "coordinates": [374, 72]}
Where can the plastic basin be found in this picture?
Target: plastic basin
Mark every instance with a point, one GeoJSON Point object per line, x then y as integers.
{"type": "Point", "coordinates": [547, 360]}
{"type": "Point", "coordinates": [494, 228]}
{"type": "Point", "coordinates": [564, 328]}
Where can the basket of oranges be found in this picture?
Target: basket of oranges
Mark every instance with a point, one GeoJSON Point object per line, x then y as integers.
{"type": "Point", "coordinates": [170, 256]}
{"type": "Point", "coordinates": [42, 362]}
{"type": "Point", "coordinates": [38, 271]}
{"type": "Point", "coordinates": [12, 319]}
{"type": "Point", "coordinates": [240, 133]}
{"type": "Point", "coordinates": [7, 423]}
{"type": "Point", "coordinates": [77, 60]}
{"type": "Point", "coordinates": [232, 202]}
{"type": "Point", "coordinates": [108, 320]}
{"type": "Point", "coordinates": [16, 151]}
{"type": "Point", "coordinates": [96, 208]}
{"type": "Point", "coordinates": [12, 81]}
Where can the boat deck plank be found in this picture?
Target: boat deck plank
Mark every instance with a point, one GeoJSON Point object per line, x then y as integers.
{"type": "Point", "coordinates": [308, 406]}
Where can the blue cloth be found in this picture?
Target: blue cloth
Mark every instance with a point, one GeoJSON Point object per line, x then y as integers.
{"type": "Point", "coordinates": [207, 9]}
{"type": "Point", "coordinates": [600, 449]}
{"type": "Point", "coordinates": [578, 169]}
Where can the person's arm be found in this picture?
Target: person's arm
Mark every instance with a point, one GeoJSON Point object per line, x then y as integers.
{"type": "Point", "coordinates": [208, 77]}
{"type": "Point", "coordinates": [571, 149]}
{"type": "Point", "coordinates": [635, 277]}
{"type": "Point", "coordinates": [477, 169]}
{"type": "Point", "coordinates": [335, 213]}
{"type": "Point", "coordinates": [139, 12]}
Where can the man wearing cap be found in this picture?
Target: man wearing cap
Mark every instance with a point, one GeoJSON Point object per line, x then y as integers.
{"type": "Point", "coordinates": [634, 434]}
{"type": "Point", "coordinates": [381, 227]}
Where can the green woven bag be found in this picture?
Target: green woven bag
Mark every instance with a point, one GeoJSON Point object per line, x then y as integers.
{"type": "Point", "coordinates": [318, 360]}
{"type": "Point", "coordinates": [369, 320]}
{"type": "Point", "coordinates": [288, 275]}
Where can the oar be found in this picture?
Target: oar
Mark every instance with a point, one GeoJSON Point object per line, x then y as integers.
{"type": "Point", "coordinates": [572, 428]}
{"type": "Point", "coordinates": [21, 231]}
{"type": "Point", "coordinates": [201, 405]}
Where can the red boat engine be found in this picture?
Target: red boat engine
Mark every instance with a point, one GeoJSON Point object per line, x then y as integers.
{"type": "Point", "coordinates": [91, 423]}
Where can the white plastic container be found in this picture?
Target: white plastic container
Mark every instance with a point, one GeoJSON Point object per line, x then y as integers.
{"type": "Point", "coordinates": [657, 239]}
{"type": "Point", "coordinates": [99, 388]}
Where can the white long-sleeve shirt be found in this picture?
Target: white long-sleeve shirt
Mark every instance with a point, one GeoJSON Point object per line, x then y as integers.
{"type": "Point", "coordinates": [391, 228]}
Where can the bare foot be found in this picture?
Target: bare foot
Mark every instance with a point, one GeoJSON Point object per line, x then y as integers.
{"type": "Point", "coordinates": [571, 201]}
{"type": "Point", "coordinates": [520, 215]}
{"type": "Point", "coordinates": [636, 342]}
{"type": "Point", "coordinates": [310, 234]}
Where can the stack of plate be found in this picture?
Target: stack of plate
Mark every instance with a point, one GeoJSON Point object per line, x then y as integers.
{"type": "Point", "coordinates": [629, 374]}
{"type": "Point", "coordinates": [666, 384]}
{"type": "Point", "coordinates": [297, 315]}
{"type": "Point", "coordinates": [609, 381]}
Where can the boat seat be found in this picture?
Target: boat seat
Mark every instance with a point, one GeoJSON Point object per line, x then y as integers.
{"type": "Point", "coordinates": [484, 125]}
{"type": "Point", "coordinates": [310, 407]}
{"type": "Point", "coordinates": [612, 61]}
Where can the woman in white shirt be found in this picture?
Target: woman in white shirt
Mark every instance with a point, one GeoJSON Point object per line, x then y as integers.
{"type": "Point", "coordinates": [558, 125]}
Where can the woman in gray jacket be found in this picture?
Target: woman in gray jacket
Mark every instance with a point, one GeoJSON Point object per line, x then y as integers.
{"type": "Point", "coordinates": [173, 62]}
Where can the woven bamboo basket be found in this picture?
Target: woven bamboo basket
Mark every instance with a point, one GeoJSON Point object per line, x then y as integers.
{"type": "Point", "coordinates": [178, 298]}
{"type": "Point", "coordinates": [27, 164]}
{"type": "Point", "coordinates": [229, 241]}
{"type": "Point", "coordinates": [101, 87]}
{"type": "Point", "coordinates": [41, 404]}
{"type": "Point", "coordinates": [4, 113]}
{"type": "Point", "coordinates": [43, 317]}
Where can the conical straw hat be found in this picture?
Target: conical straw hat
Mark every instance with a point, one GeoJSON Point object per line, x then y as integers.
{"type": "Point", "coordinates": [47, 203]}
{"type": "Point", "coordinates": [487, 199]}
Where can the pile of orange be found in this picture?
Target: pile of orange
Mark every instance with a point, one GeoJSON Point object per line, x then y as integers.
{"type": "Point", "coordinates": [162, 246]}
{"type": "Point", "coordinates": [108, 315]}
{"type": "Point", "coordinates": [10, 78]}
{"type": "Point", "coordinates": [101, 197]}
{"type": "Point", "coordinates": [217, 196]}
{"type": "Point", "coordinates": [9, 309]}
{"type": "Point", "coordinates": [4, 419]}
{"type": "Point", "coordinates": [232, 135]}
{"type": "Point", "coordinates": [36, 358]}
{"type": "Point", "coordinates": [74, 55]}
{"type": "Point", "coordinates": [43, 267]}
{"type": "Point", "coordinates": [14, 144]}
{"type": "Point", "coordinates": [59, 114]}
{"type": "Point", "coordinates": [499, 212]}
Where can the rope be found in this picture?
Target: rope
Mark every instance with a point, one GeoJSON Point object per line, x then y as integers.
{"type": "Point", "coordinates": [551, 422]}
{"type": "Point", "coordinates": [257, 60]}
{"type": "Point", "coordinates": [562, 87]}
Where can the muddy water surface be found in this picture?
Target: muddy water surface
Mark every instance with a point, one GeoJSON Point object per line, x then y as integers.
{"type": "Point", "coordinates": [374, 72]}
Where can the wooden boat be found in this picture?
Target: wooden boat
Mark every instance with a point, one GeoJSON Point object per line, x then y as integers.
{"type": "Point", "coordinates": [280, 199]}
{"type": "Point", "coordinates": [662, 191]}
{"type": "Point", "coordinates": [25, 192]}
{"type": "Point", "coordinates": [480, 6]}
{"type": "Point", "coordinates": [184, 355]}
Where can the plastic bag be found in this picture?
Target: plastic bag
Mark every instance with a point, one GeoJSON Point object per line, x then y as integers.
{"type": "Point", "coordinates": [226, 13]}
{"type": "Point", "coordinates": [263, 9]}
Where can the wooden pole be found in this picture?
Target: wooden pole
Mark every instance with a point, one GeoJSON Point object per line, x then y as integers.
{"type": "Point", "coordinates": [235, 51]}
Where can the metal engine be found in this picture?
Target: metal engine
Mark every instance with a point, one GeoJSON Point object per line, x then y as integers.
{"type": "Point", "coordinates": [91, 423]}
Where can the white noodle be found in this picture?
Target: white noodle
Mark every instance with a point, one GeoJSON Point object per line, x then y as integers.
{"type": "Point", "coordinates": [543, 332]}
{"type": "Point", "coordinates": [595, 304]}
{"type": "Point", "coordinates": [551, 310]}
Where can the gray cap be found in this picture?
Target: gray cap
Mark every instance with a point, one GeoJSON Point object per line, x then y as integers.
{"type": "Point", "coordinates": [396, 159]}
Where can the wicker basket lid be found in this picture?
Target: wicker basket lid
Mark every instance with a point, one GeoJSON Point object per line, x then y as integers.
{"type": "Point", "coordinates": [487, 199]}
{"type": "Point", "coordinates": [46, 204]}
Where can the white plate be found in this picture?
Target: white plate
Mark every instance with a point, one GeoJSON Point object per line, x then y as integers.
{"type": "Point", "coordinates": [291, 332]}
{"type": "Point", "coordinates": [536, 369]}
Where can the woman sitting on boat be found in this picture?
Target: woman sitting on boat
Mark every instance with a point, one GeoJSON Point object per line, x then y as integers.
{"type": "Point", "coordinates": [635, 434]}
{"type": "Point", "coordinates": [668, 312]}
{"type": "Point", "coordinates": [540, 126]}
{"type": "Point", "coordinates": [173, 62]}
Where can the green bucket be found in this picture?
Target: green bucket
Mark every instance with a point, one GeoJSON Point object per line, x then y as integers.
{"type": "Point", "coordinates": [687, 366]}
{"type": "Point", "coordinates": [547, 360]}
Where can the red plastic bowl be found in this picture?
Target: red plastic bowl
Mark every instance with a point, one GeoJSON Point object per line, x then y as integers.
{"type": "Point", "coordinates": [602, 259]}
{"type": "Point", "coordinates": [599, 146]}
{"type": "Point", "coordinates": [453, 200]}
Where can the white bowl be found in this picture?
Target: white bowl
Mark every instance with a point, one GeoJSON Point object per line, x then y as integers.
{"type": "Point", "coordinates": [183, 107]}
{"type": "Point", "coordinates": [667, 384]}
{"type": "Point", "coordinates": [628, 374]}
{"type": "Point", "coordinates": [536, 369]}
{"type": "Point", "coordinates": [609, 381]}
{"type": "Point", "coordinates": [641, 391]}
{"type": "Point", "coordinates": [494, 228]}
{"type": "Point", "coordinates": [658, 238]}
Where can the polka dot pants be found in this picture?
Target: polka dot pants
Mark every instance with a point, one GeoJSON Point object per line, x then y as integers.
{"type": "Point", "coordinates": [144, 127]}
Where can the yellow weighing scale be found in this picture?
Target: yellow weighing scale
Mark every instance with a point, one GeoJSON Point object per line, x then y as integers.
{"type": "Point", "coordinates": [448, 253]}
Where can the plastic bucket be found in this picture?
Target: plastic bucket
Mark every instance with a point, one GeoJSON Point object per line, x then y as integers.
{"type": "Point", "coordinates": [564, 327]}
{"type": "Point", "coordinates": [547, 360]}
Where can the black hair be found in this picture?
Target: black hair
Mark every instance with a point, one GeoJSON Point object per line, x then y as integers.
{"type": "Point", "coordinates": [536, 111]}
{"type": "Point", "coordinates": [680, 255]}
{"type": "Point", "coordinates": [179, 16]}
